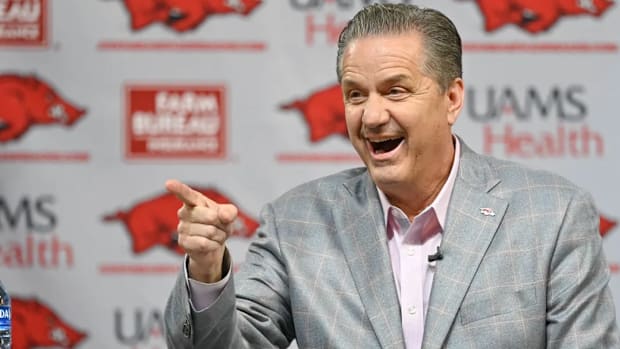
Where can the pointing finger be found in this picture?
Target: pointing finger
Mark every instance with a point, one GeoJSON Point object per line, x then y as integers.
{"type": "Point", "coordinates": [187, 195]}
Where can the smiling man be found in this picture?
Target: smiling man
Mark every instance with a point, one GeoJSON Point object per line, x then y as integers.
{"type": "Point", "coordinates": [430, 245]}
{"type": "Point", "coordinates": [398, 117]}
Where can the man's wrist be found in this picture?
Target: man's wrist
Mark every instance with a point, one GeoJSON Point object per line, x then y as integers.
{"type": "Point", "coordinates": [214, 274]}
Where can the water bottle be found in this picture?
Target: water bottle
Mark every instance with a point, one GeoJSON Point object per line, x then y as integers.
{"type": "Point", "coordinates": [5, 318]}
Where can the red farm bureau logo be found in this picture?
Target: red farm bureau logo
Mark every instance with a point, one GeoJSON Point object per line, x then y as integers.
{"type": "Point", "coordinates": [35, 325]}
{"type": "Point", "coordinates": [323, 111]}
{"type": "Point", "coordinates": [183, 15]}
{"type": "Point", "coordinates": [153, 222]}
{"type": "Point", "coordinates": [606, 225]}
{"type": "Point", "coordinates": [175, 122]}
{"type": "Point", "coordinates": [23, 22]}
{"type": "Point", "coordinates": [536, 16]}
{"type": "Point", "coordinates": [28, 101]}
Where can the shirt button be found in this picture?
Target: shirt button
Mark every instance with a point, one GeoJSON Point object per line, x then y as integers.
{"type": "Point", "coordinates": [411, 250]}
{"type": "Point", "coordinates": [411, 310]}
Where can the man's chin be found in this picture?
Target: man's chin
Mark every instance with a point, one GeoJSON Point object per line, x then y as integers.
{"type": "Point", "coordinates": [383, 177]}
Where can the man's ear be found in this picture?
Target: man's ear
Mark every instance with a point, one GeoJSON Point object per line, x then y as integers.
{"type": "Point", "coordinates": [455, 96]}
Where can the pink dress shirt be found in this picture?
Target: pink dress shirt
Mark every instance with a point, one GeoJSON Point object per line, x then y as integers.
{"type": "Point", "coordinates": [410, 244]}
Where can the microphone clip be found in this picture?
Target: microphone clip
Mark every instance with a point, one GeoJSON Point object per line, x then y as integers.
{"type": "Point", "coordinates": [437, 256]}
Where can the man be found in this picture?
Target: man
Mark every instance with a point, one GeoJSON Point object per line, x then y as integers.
{"type": "Point", "coordinates": [429, 245]}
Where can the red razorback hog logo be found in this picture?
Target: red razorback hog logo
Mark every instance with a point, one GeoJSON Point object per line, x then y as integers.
{"type": "Point", "coordinates": [35, 325]}
{"type": "Point", "coordinates": [535, 15]}
{"type": "Point", "coordinates": [183, 15]}
{"type": "Point", "coordinates": [323, 111]}
{"type": "Point", "coordinates": [26, 101]}
{"type": "Point", "coordinates": [606, 225]}
{"type": "Point", "coordinates": [154, 221]}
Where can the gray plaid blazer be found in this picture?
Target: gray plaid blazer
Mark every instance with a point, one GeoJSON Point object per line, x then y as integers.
{"type": "Point", "coordinates": [531, 276]}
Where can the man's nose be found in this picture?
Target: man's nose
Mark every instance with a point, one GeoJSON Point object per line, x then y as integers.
{"type": "Point", "coordinates": [375, 112]}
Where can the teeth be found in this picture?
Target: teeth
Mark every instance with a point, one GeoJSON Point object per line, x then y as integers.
{"type": "Point", "coordinates": [383, 140]}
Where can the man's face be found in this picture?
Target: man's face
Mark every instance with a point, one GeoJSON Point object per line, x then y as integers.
{"type": "Point", "coordinates": [398, 120]}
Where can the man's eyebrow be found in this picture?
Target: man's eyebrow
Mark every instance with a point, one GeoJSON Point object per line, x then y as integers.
{"type": "Point", "coordinates": [395, 78]}
{"type": "Point", "coordinates": [348, 82]}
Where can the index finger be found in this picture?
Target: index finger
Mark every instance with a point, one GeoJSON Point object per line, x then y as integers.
{"type": "Point", "coordinates": [188, 195]}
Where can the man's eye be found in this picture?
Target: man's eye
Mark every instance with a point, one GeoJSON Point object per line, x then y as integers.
{"type": "Point", "coordinates": [354, 96]}
{"type": "Point", "coordinates": [397, 93]}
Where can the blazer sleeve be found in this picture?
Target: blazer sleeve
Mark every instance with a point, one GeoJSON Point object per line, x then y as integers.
{"type": "Point", "coordinates": [253, 310]}
{"type": "Point", "coordinates": [580, 309]}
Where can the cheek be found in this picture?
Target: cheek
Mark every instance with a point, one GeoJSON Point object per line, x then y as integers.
{"type": "Point", "coordinates": [353, 118]}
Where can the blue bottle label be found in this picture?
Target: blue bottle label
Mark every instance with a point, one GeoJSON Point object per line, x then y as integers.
{"type": "Point", "coordinates": [5, 315]}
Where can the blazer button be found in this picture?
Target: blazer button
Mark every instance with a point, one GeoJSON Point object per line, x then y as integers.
{"type": "Point", "coordinates": [187, 328]}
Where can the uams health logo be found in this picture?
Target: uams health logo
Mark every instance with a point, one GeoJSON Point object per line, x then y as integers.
{"type": "Point", "coordinates": [175, 122]}
{"type": "Point", "coordinates": [153, 222]}
{"type": "Point", "coordinates": [183, 15]}
{"type": "Point", "coordinates": [325, 19]}
{"type": "Point", "coordinates": [30, 101]}
{"type": "Point", "coordinates": [28, 236]}
{"type": "Point", "coordinates": [536, 16]}
{"type": "Point", "coordinates": [23, 22]}
{"type": "Point", "coordinates": [36, 325]}
{"type": "Point", "coordinates": [139, 328]}
{"type": "Point", "coordinates": [532, 122]}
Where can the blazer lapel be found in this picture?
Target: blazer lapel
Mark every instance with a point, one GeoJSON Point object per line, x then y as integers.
{"type": "Point", "coordinates": [364, 244]}
{"type": "Point", "coordinates": [473, 217]}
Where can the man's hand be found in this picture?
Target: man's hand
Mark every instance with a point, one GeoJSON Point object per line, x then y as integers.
{"type": "Point", "coordinates": [204, 226]}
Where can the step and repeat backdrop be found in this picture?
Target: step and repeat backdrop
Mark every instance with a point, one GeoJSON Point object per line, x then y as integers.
{"type": "Point", "coordinates": [101, 101]}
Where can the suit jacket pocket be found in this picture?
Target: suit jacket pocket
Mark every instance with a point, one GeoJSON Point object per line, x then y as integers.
{"type": "Point", "coordinates": [497, 302]}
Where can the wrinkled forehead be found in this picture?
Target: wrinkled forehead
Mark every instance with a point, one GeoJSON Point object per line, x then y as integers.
{"type": "Point", "coordinates": [398, 46]}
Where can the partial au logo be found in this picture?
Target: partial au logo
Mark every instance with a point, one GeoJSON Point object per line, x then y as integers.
{"type": "Point", "coordinates": [23, 23]}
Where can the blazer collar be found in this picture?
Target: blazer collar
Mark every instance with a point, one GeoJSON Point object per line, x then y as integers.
{"type": "Point", "coordinates": [364, 245]}
{"type": "Point", "coordinates": [474, 215]}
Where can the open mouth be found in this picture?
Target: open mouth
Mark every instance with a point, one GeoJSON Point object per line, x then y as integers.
{"type": "Point", "coordinates": [385, 146]}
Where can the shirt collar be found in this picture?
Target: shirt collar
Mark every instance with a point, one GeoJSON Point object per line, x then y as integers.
{"type": "Point", "coordinates": [440, 204]}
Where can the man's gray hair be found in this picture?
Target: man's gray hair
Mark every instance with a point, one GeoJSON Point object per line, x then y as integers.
{"type": "Point", "coordinates": [441, 41]}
